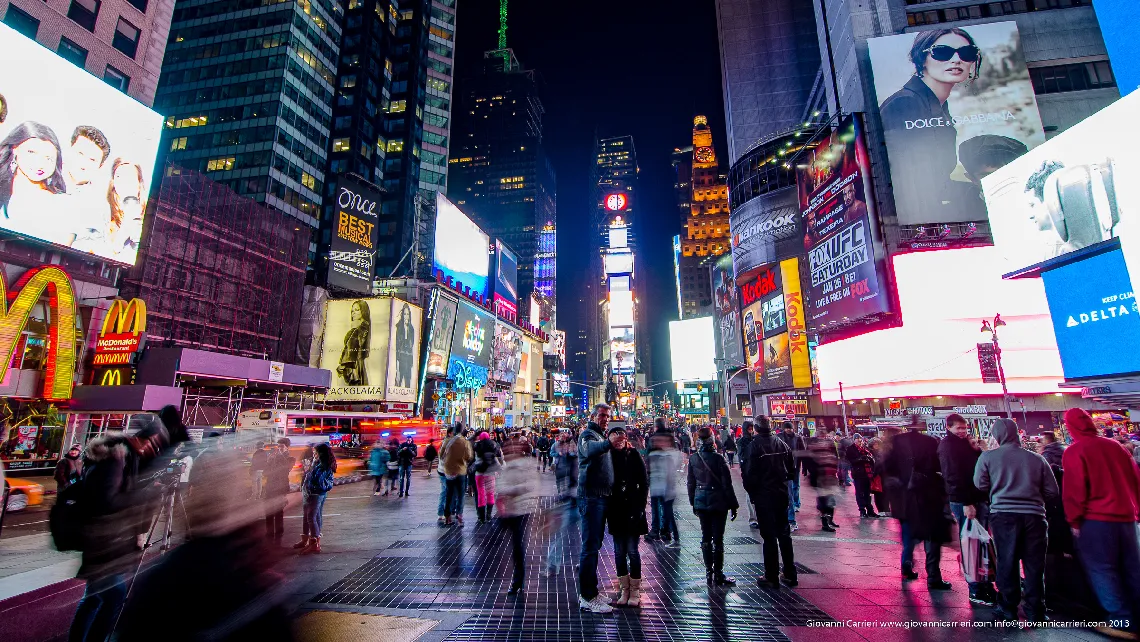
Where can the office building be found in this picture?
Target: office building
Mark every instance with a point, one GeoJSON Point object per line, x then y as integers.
{"type": "Point", "coordinates": [499, 171]}
{"type": "Point", "coordinates": [120, 41]}
{"type": "Point", "coordinates": [706, 226]}
{"type": "Point", "coordinates": [247, 87]}
{"type": "Point", "coordinates": [682, 161]}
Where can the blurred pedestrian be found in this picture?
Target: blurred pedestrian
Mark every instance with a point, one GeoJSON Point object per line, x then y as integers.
{"type": "Point", "coordinates": [823, 466]}
{"type": "Point", "coordinates": [314, 488]}
{"type": "Point", "coordinates": [862, 464]}
{"type": "Point", "coordinates": [456, 458]}
{"type": "Point", "coordinates": [918, 500]}
{"type": "Point", "coordinates": [69, 468]}
{"type": "Point", "coordinates": [278, 465]}
{"type": "Point", "coordinates": [713, 498]}
{"type": "Point", "coordinates": [748, 434]}
{"type": "Point", "coordinates": [378, 465]}
{"type": "Point", "coordinates": [625, 514]}
{"type": "Point", "coordinates": [664, 467]}
{"type": "Point", "coordinates": [488, 457]}
{"type": "Point", "coordinates": [515, 501]}
{"type": "Point", "coordinates": [595, 484]}
{"type": "Point", "coordinates": [564, 515]}
{"type": "Point", "coordinates": [257, 468]}
{"type": "Point", "coordinates": [958, 458]}
{"type": "Point", "coordinates": [795, 442]}
{"type": "Point", "coordinates": [393, 464]}
{"type": "Point", "coordinates": [1102, 504]}
{"type": "Point", "coordinates": [770, 465]}
{"type": "Point", "coordinates": [430, 455]}
{"type": "Point", "coordinates": [1019, 484]}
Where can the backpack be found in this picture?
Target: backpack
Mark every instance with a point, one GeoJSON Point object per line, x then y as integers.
{"type": "Point", "coordinates": [67, 519]}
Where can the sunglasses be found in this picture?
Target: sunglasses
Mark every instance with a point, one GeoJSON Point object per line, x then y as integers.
{"type": "Point", "coordinates": [943, 53]}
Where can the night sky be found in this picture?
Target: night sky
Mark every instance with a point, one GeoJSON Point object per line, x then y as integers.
{"type": "Point", "coordinates": [640, 67]}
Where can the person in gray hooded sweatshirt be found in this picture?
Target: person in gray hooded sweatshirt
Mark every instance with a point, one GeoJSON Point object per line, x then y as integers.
{"type": "Point", "coordinates": [1019, 483]}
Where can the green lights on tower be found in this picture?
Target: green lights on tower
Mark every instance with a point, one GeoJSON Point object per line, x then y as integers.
{"type": "Point", "coordinates": [502, 24]}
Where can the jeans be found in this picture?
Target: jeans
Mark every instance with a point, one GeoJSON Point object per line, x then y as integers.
{"type": "Point", "coordinates": [569, 518]}
{"type": "Point", "coordinates": [959, 512]}
{"type": "Point", "coordinates": [664, 519]}
{"type": "Point", "coordinates": [863, 495]}
{"type": "Point", "coordinates": [442, 494]}
{"type": "Point", "coordinates": [454, 498]}
{"type": "Point", "coordinates": [793, 500]}
{"type": "Point", "coordinates": [627, 558]}
{"type": "Point", "coordinates": [712, 538]}
{"type": "Point", "coordinates": [405, 478]}
{"type": "Point", "coordinates": [516, 524]}
{"type": "Point", "coordinates": [378, 483]}
{"type": "Point", "coordinates": [731, 456]}
{"type": "Point", "coordinates": [393, 473]}
{"type": "Point", "coordinates": [1110, 553]}
{"type": "Point", "coordinates": [312, 514]}
{"type": "Point", "coordinates": [99, 609]}
{"type": "Point", "coordinates": [1021, 540]}
{"type": "Point", "coordinates": [593, 512]}
{"type": "Point", "coordinates": [933, 554]}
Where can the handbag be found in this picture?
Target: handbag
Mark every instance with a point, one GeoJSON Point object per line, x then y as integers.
{"type": "Point", "coordinates": [876, 484]}
{"type": "Point", "coordinates": [978, 558]}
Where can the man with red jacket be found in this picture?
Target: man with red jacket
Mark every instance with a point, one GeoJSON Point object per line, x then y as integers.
{"type": "Point", "coordinates": [1102, 505]}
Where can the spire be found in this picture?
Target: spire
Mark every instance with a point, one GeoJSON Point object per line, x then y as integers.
{"type": "Point", "coordinates": [502, 24]}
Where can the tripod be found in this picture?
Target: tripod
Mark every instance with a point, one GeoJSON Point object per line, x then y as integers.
{"type": "Point", "coordinates": [171, 494]}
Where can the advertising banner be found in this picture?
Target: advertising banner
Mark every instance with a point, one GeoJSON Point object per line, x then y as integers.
{"type": "Point", "coordinates": [76, 155]}
{"type": "Point", "coordinates": [841, 236]}
{"type": "Point", "coordinates": [505, 353]}
{"type": "Point", "coordinates": [780, 406]}
{"type": "Point", "coordinates": [622, 351]}
{"type": "Point", "coordinates": [1118, 22]}
{"type": "Point", "coordinates": [561, 383]}
{"type": "Point", "coordinates": [726, 306]}
{"type": "Point", "coordinates": [774, 328]}
{"type": "Point", "coordinates": [796, 316]}
{"type": "Point", "coordinates": [353, 242]}
{"type": "Point", "coordinates": [1095, 317]}
{"type": "Point", "coordinates": [461, 248]}
{"type": "Point", "coordinates": [442, 328]}
{"type": "Point", "coordinates": [404, 351]}
{"type": "Point", "coordinates": [536, 371]}
{"type": "Point", "coordinates": [506, 280]}
{"type": "Point", "coordinates": [473, 335]}
{"type": "Point", "coordinates": [956, 104]}
{"type": "Point", "coordinates": [756, 285]}
{"type": "Point", "coordinates": [355, 348]}
{"type": "Point", "coordinates": [1071, 192]}
{"type": "Point", "coordinates": [766, 229]}
{"type": "Point", "coordinates": [524, 382]}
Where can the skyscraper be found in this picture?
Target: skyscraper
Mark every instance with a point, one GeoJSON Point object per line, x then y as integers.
{"type": "Point", "coordinates": [247, 87]}
{"type": "Point", "coordinates": [706, 227]}
{"type": "Point", "coordinates": [499, 171]}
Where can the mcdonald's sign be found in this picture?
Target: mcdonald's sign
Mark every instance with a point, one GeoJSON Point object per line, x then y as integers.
{"type": "Point", "coordinates": [115, 376]}
{"type": "Point", "coordinates": [15, 309]}
{"type": "Point", "coordinates": [122, 334]}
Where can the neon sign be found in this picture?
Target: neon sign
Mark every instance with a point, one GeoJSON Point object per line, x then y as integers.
{"type": "Point", "coordinates": [15, 309]}
{"type": "Point", "coordinates": [467, 376]}
{"type": "Point", "coordinates": [473, 336]}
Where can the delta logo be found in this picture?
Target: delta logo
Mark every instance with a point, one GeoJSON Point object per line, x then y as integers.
{"type": "Point", "coordinates": [473, 336]}
{"type": "Point", "coordinates": [1103, 314]}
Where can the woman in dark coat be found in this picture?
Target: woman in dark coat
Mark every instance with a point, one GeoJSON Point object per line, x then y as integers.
{"type": "Point", "coordinates": [918, 500]}
{"type": "Point", "coordinates": [712, 497]}
{"type": "Point", "coordinates": [625, 513]}
{"type": "Point", "coordinates": [862, 472]}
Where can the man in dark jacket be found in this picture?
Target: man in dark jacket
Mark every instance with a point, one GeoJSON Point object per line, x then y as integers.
{"type": "Point", "coordinates": [69, 469]}
{"type": "Point", "coordinates": [1052, 450]}
{"type": "Point", "coordinates": [406, 456]}
{"type": "Point", "coordinates": [957, 457]}
{"type": "Point", "coordinates": [918, 499]}
{"type": "Point", "coordinates": [798, 446]}
{"type": "Point", "coordinates": [1019, 483]}
{"type": "Point", "coordinates": [595, 482]}
{"type": "Point", "coordinates": [770, 466]}
{"type": "Point", "coordinates": [742, 445]}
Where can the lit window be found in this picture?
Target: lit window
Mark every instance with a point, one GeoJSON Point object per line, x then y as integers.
{"type": "Point", "coordinates": [395, 146]}
{"type": "Point", "coordinates": [398, 107]}
{"type": "Point", "coordinates": [308, 181]}
{"type": "Point", "coordinates": [220, 164]}
{"type": "Point", "coordinates": [341, 145]}
{"type": "Point", "coordinates": [177, 144]}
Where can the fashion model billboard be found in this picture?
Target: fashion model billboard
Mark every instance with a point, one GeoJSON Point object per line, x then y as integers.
{"type": "Point", "coordinates": [442, 327]}
{"type": "Point", "coordinates": [76, 155]}
{"type": "Point", "coordinates": [404, 351]}
{"type": "Point", "coordinates": [726, 305]}
{"type": "Point", "coordinates": [765, 230]}
{"type": "Point", "coordinates": [461, 248]}
{"type": "Point", "coordinates": [352, 248]}
{"type": "Point", "coordinates": [1095, 316]}
{"type": "Point", "coordinates": [956, 104]}
{"type": "Point", "coordinates": [1071, 192]}
{"type": "Point", "coordinates": [506, 279]}
{"type": "Point", "coordinates": [355, 348]}
{"type": "Point", "coordinates": [841, 230]}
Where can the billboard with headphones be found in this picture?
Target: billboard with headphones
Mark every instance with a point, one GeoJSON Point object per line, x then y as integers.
{"type": "Point", "coordinates": [1071, 192]}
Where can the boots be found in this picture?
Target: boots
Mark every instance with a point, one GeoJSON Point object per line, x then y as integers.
{"type": "Point", "coordinates": [303, 543]}
{"type": "Point", "coordinates": [480, 511]}
{"type": "Point", "coordinates": [623, 594]}
{"type": "Point", "coordinates": [718, 569]}
{"type": "Point", "coordinates": [706, 555]}
{"type": "Point", "coordinates": [831, 518]}
{"type": "Point", "coordinates": [826, 524]}
{"type": "Point", "coordinates": [313, 547]}
{"type": "Point", "coordinates": [634, 593]}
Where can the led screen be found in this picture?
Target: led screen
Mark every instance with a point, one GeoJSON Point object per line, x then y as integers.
{"type": "Point", "coordinates": [692, 349]}
{"type": "Point", "coordinates": [76, 155]}
{"type": "Point", "coordinates": [506, 353]}
{"type": "Point", "coordinates": [461, 247]}
{"type": "Point", "coordinates": [621, 308]}
{"type": "Point", "coordinates": [622, 351]}
{"type": "Point", "coordinates": [352, 244]}
{"type": "Point", "coordinates": [954, 106]}
{"type": "Point", "coordinates": [944, 297]}
{"type": "Point", "coordinates": [506, 279]}
{"type": "Point", "coordinates": [727, 308]}
{"type": "Point", "coordinates": [1118, 22]}
{"type": "Point", "coordinates": [1095, 316]}
{"type": "Point", "coordinates": [619, 262]}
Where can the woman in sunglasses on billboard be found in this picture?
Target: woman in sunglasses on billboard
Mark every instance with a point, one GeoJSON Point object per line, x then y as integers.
{"type": "Point", "coordinates": [918, 118]}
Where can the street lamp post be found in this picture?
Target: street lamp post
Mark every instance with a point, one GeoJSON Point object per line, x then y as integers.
{"type": "Point", "coordinates": [986, 327]}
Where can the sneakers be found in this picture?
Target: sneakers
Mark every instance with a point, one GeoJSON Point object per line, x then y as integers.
{"type": "Point", "coordinates": [794, 526]}
{"type": "Point", "coordinates": [674, 544]}
{"type": "Point", "coordinates": [977, 597]}
{"type": "Point", "coordinates": [597, 605]}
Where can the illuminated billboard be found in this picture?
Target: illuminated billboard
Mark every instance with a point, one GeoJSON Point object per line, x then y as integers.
{"type": "Point", "coordinates": [352, 248]}
{"type": "Point", "coordinates": [1117, 21]}
{"type": "Point", "coordinates": [726, 306]}
{"type": "Point", "coordinates": [1071, 192]}
{"type": "Point", "coordinates": [622, 351]}
{"type": "Point", "coordinates": [442, 328]}
{"type": "Point", "coordinates": [372, 348]}
{"type": "Point", "coordinates": [692, 349]}
{"type": "Point", "coordinates": [956, 104]}
{"type": "Point", "coordinates": [621, 308]}
{"type": "Point", "coordinates": [775, 333]}
{"type": "Point", "coordinates": [1095, 316]}
{"type": "Point", "coordinates": [561, 383]}
{"type": "Point", "coordinates": [841, 230]}
{"type": "Point", "coordinates": [944, 296]}
{"type": "Point", "coordinates": [469, 364]}
{"type": "Point", "coordinates": [616, 202]}
{"type": "Point", "coordinates": [403, 378]}
{"type": "Point", "coordinates": [619, 262]}
{"type": "Point", "coordinates": [506, 279]}
{"type": "Point", "coordinates": [766, 229]}
{"type": "Point", "coordinates": [461, 248]}
{"type": "Point", "coordinates": [506, 353]}
{"type": "Point", "coordinates": [76, 155]}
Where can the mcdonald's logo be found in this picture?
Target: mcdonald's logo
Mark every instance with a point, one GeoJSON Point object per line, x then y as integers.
{"type": "Point", "coordinates": [112, 378]}
{"type": "Point", "coordinates": [123, 330]}
{"type": "Point", "coordinates": [15, 308]}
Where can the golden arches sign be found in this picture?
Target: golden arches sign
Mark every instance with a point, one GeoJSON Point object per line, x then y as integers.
{"type": "Point", "coordinates": [15, 309]}
{"type": "Point", "coordinates": [125, 316]}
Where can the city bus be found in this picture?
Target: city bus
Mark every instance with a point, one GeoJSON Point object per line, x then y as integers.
{"type": "Point", "coordinates": [340, 428]}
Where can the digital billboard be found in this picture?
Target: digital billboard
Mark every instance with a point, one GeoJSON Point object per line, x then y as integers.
{"type": "Point", "coordinates": [766, 229]}
{"type": "Point", "coordinates": [1117, 21]}
{"type": "Point", "coordinates": [403, 380]}
{"type": "Point", "coordinates": [619, 262]}
{"type": "Point", "coordinates": [76, 155]}
{"type": "Point", "coordinates": [956, 104]}
{"type": "Point", "coordinates": [561, 383]}
{"type": "Point", "coordinates": [469, 364]}
{"type": "Point", "coordinates": [505, 353]}
{"type": "Point", "coordinates": [692, 349]}
{"type": "Point", "coordinates": [622, 351]}
{"type": "Point", "coordinates": [774, 328]}
{"type": "Point", "coordinates": [755, 285]}
{"type": "Point", "coordinates": [841, 230]}
{"type": "Point", "coordinates": [506, 279]}
{"type": "Point", "coordinates": [461, 247]}
{"type": "Point", "coordinates": [352, 248]}
{"type": "Point", "coordinates": [1095, 316]}
{"type": "Point", "coordinates": [442, 328]}
{"type": "Point", "coordinates": [726, 305]}
{"type": "Point", "coordinates": [1071, 192]}
{"type": "Point", "coordinates": [944, 296]}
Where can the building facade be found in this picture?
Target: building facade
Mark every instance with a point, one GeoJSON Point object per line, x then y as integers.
{"type": "Point", "coordinates": [499, 171]}
{"type": "Point", "coordinates": [706, 231]}
{"type": "Point", "coordinates": [120, 41]}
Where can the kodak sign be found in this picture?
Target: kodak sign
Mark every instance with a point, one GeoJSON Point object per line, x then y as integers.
{"type": "Point", "coordinates": [122, 334]}
{"type": "Point", "coordinates": [15, 309]}
{"type": "Point", "coordinates": [797, 330]}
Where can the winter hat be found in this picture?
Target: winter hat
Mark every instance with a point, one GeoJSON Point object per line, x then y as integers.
{"type": "Point", "coordinates": [483, 435]}
{"type": "Point", "coordinates": [611, 431]}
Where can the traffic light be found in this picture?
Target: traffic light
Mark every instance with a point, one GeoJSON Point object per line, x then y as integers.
{"type": "Point", "coordinates": [537, 387]}
{"type": "Point", "coordinates": [700, 387]}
